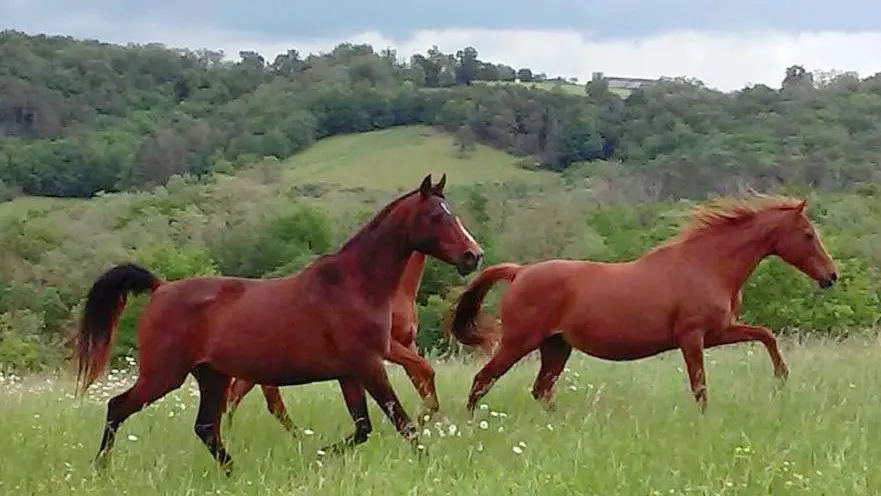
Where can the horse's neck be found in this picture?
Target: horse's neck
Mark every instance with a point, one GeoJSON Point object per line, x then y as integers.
{"type": "Point", "coordinates": [412, 278]}
{"type": "Point", "coordinates": [731, 254]}
{"type": "Point", "coordinates": [378, 262]}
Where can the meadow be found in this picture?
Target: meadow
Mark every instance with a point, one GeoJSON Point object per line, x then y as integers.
{"type": "Point", "coordinates": [383, 160]}
{"type": "Point", "coordinates": [568, 88]}
{"type": "Point", "coordinates": [627, 429]}
{"type": "Point", "coordinates": [619, 429]}
{"type": "Point", "coordinates": [254, 168]}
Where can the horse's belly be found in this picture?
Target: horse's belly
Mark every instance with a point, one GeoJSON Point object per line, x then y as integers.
{"type": "Point", "coordinates": [278, 364]}
{"type": "Point", "coordinates": [619, 344]}
{"type": "Point", "coordinates": [287, 372]}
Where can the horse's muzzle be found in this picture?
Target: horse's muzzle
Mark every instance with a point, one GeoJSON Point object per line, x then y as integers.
{"type": "Point", "coordinates": [469, 262]}
{"type": "Point", "coordinates": [829, 281]}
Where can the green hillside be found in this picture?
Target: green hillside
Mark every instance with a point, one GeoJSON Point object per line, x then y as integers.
{"type": "Point", "coordinates": [254, 167]}
{"type": "Point", "coordinates": [568, 88]}
{"type": "Point", "coordinates": [380, 161]}
{"type": "Point", "coordinates": [398, 158]}
{"type": "Point", "coordinates": [25, 205]}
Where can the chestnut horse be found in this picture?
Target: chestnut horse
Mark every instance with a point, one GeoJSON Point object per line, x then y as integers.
{"type": "Point", "coordinates": [402, 351]}
{"type": "Point", "coordinates": [330, 321]}
{"type": "Point", "coordinates": [683, 294]}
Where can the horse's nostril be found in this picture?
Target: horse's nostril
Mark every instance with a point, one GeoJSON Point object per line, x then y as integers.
{"type": "Point", "coordinates": [829, 281]}
{"type": "Point", "coordinates": [471, 259]}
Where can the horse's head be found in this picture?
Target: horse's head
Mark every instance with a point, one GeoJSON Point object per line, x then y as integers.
{"type": "Point", "coordinates": [433, 229]}
{"type": "Point", "coordinates": [797, 242]}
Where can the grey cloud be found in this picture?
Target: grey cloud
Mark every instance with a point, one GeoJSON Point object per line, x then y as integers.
{"type": "Point", "coordinates": [397, 19]}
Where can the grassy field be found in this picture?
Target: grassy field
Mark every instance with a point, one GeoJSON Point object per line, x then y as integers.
{"type": "Point", "coordinates": [399, 158]}
{"type": "Point", "coordinates": [628, 429]}
{"type": "Point", "coordinates": [573, 89]}
{"type": "Point", "coordinates": [372, 163]}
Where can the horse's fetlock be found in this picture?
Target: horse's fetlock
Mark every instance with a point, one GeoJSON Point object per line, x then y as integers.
{"type": "Point", "coordinates": [205, 431]}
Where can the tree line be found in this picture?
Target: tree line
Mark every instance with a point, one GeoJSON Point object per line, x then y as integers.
{"type": "Point", "coordinates": [78, 117]}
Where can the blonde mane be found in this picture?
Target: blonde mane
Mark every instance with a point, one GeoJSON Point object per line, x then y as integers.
{"type": "Point", "coordinates": [708, 217]}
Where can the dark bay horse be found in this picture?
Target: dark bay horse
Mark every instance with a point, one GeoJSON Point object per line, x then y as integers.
{"type": "Point", "coordinates": [683, 294]}
{"type": "Point", "coordinates": [402, 351]}
{"type": "Point", "coordinates": [330, 321]}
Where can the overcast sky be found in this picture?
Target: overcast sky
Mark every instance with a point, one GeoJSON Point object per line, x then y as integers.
{"type": "Point", "coordinates": [724, 43]}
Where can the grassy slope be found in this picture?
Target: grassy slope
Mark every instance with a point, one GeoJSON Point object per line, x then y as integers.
{"type": "Point", "coordinates": [399, 158]}
{"type": "Point", "coordinates": [574, 89]}
{"type": "Point", "coordinates": [620, 429]}
{"type": "Point", "coordinates": [380, 161]}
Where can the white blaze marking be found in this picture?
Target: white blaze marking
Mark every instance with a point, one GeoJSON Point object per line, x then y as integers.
{"type": "Point", "coordinates": [467, 234]}
{"type": "Point", "coordinates": [446, 207]}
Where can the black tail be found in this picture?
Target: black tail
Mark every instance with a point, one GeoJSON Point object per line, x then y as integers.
{"type": "Point", "coordinates": [104, 304]}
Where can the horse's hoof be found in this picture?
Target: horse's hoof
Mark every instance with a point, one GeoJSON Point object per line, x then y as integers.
{"type": "Point", "coordinates": [101, 462]}
{"type": "Point", "coordinates": [332, 449]}
{"type": "Point", "coordinates": [549, 406]}
{"type": "Point", "coordinates": [427, 415]}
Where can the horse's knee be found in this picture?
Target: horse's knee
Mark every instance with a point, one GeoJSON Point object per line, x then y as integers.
{"type": "Point", "coordinates": [428, 374]}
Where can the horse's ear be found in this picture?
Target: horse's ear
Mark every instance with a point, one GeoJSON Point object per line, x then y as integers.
{"type": "Point", "coordinates": [425, 187]}
{"type": "Point", "coordinates": [439, 187]}
{"type": "Point", "coordinates": [801, 206]}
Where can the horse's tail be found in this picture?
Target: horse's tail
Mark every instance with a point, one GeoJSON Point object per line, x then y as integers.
{"type": "Point", "coordinates": [104, 304]}
{"type": "Point", "coordinates": [465, 326]}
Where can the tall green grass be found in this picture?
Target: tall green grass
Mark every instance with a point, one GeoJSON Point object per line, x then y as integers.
{"type": "Point", "coordinates": [620, 428]}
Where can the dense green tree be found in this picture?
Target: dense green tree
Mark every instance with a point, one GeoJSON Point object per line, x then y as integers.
{"type": "Point", "coordinates": [78, 117]}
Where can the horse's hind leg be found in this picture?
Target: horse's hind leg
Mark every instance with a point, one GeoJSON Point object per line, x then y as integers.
{"type": "Point", "coordinates": [555, 351]}
{"type": "Point", "coordinates": [238, 388]}
{"type": "Point", "coordinates": [146, 390]}
{"type": "Point", "coordinates": [212, 396]}
{"type": "Point", "coordinates": [421, 375]}
{"type": "Point", "coordinates": [356, 402]}
{"type": "Point", "coordinates": [507, 354]}
{"type": "Point", "coordinates": [276, 407]}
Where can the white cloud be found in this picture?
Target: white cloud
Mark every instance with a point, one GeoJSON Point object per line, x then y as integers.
{"type": "Point", "coordinates": [723, 60]}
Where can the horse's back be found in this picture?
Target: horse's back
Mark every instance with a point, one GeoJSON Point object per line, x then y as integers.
{"type": "Point", "coordinates": [542, 288]}
{"type": "Point", "coordinates": [200, 292]}
{"type": "Point", "coordinates": [599, 306]}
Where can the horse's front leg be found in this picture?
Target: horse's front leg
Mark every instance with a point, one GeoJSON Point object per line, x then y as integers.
{"type": "Point", "coordinates": [356, 403]}
{"type": "Point", "coordinates": [740, 333]}
{"type": "Point", "coordinates": [375, 379]}
{"type": "Point", "coordinates": [691, 343]}
{"type": "Point", "coordinates": [421, 375]}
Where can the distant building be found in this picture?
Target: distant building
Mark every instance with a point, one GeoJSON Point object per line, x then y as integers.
{"type": "Point", "coordinates": [623, 83]}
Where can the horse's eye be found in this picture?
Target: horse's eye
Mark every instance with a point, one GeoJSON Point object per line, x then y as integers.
{"type": "Point", "coordinates": [809, 235]}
